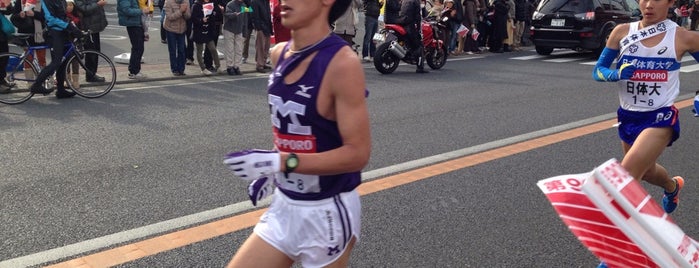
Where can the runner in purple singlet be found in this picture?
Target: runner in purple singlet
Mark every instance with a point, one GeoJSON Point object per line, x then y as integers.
{"type": "Point", "coordinates": [321, 134]}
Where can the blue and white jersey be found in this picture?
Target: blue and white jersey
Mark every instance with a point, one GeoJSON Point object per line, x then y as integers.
{"type": "Point", "coordinates": [655, 83]}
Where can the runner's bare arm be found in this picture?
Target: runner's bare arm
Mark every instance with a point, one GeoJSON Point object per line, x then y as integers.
{"type": "Point", "coordinates": [688, 42]}
{"type": "Point", "coordinates": [343, 96]}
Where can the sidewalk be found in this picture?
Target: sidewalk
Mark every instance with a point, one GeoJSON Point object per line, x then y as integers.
{"type": "Point", "coordinates": [161, 72]}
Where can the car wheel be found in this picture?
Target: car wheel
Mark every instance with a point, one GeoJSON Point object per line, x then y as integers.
{"type": "Point", "coordinates": [544, 50]}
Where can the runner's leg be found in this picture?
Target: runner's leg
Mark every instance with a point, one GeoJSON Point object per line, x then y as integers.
{"type": "Point", "coordinates": [255, 252]}
{"type": "Point", "coordinates": [640, 158]}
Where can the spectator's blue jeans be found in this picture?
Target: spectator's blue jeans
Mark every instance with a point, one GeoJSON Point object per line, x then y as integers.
{"type": "Point", "coordinates": [371, 25]}
{"type": "Point", "coordinates": [175, 45]}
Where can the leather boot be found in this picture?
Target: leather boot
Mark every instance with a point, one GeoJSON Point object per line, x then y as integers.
{"type": "Point", "coordinates": [421, 62]}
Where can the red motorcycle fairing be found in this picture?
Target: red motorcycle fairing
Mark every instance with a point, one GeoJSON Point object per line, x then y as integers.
{"type": "Point", "coordinates": [427, 34]}
{"type": "Point", "coordinates": [396, 28]}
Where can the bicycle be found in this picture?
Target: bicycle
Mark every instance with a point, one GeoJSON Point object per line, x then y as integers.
{"type": "Point", "coordinates": [21, 78]}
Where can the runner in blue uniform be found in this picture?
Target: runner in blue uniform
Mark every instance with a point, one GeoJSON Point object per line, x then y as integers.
{"type": "Point", "coordinates": [649, 53]}
{"type": "Point", "coordinates": [322, 141]}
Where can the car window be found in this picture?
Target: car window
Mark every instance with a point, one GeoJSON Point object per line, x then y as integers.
{"type": "Point", "coordinates": [573, 6]}
{"type": "Point", "coordinates": [633, 6]}
{"type": "Point", "coordinates": [617, 5]}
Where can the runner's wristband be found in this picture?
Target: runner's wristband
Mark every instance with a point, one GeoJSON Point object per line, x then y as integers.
{"type": "Point", "coordinates": [601, 72]}
{"type": "Point", "coordinates": [695, 55]}
{"type": "Point", "coordinates": [292, 161]}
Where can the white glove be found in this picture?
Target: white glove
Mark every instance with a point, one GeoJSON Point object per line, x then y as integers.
{"type": "Point", "coordinates": [252, 164]}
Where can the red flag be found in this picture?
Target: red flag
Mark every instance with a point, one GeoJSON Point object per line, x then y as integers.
{"type": "Point", "coordinates": [475, 34]}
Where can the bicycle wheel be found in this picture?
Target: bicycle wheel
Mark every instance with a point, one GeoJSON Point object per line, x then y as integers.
{"type": "Point", "coordinates": [77, 74]}
{"type": "Point", "coordinates": [18, 79]}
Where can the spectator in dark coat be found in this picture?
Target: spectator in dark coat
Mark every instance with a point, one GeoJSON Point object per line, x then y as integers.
{"type": "Point", "coordinates": [470, 21]}
{"type": "Point", "coordinates": [261, 19]}
{"type": "Point", "coordinates": [92, 19]}
{"type": "Point", "coordinates": [498, 32]}
{"type": "Point", "coordinates": [218, 24]}
{"type": "Point", "coordinates": [455, 24]}
{"type": "Point", "coordinates": [391, 12]}
{"type": "Point", "coordinates": [203, 33]}
{"type": "Point", "coordinates": [694, 16]}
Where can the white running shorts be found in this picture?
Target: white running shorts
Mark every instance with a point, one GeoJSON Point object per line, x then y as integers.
{"type": "Point", "coordinates": [312, 233]}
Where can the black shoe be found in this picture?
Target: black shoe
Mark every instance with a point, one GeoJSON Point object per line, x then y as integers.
{"type": "Point", "coordinates": [37, 88]}
{"type": "Point", "coordinates": [421, 71]}
{"type": "Point", "coordinates": [64, 94]}
{"type": "Point", "coordinates": [237, 71]}
{"type": "Point", "coordinates": [260, 70]}
{"type": "Point", "coordinates": [95, 79]}
{"type": "Point", "coordinates": [231, 71]}
{"type": "Point", "coordinates": [4, 86]}
{"type": "Point", "coordinates": [267, 67]}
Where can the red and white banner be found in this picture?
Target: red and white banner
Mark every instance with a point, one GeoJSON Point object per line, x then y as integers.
{"type": "Point", "coordinates": [617, 220]}
{"type": "Point", "coordinates": [208, 9]}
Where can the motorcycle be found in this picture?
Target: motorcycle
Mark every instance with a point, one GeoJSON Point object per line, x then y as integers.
{"type": "Point", "coordinates": [394, 46]}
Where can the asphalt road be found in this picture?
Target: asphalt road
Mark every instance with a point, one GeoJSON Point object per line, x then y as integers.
{"type": "Point", "coordinates": [73, 172]}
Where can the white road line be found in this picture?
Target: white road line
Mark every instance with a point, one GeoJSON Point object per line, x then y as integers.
{"type": "Point", "coordinates": [530, 57]}
{"type": "Point", "coordinates": [562, 60]}
{"type": "Point", "coordinates": [690, 68]}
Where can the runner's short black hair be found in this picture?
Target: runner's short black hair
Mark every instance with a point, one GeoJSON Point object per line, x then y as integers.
{"type": "Point", "coordinates": [338, 9]}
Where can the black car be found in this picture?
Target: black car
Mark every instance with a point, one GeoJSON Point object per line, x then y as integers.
{"type": "Point", "coordinates": [579, 24]}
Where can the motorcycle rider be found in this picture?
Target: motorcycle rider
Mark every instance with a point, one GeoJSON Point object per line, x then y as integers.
{"type": "Point", "coordinates": [392, 11]}
{"type": "Point", "coordinates": [411, 20]}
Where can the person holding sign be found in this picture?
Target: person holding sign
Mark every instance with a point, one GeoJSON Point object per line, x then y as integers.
{"type": "Point", "coordinates": [647, 72]}
{"type": "Point", "coordinates": [204, 13]}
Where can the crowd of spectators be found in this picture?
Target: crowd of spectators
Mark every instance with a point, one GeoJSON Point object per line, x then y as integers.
{"type": "Point", "coordinates": [191, 28]}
